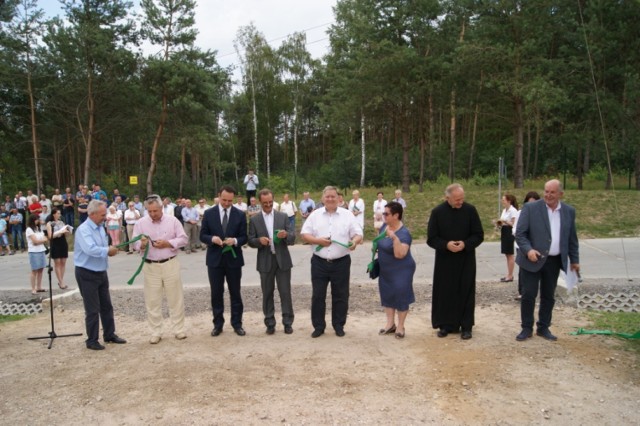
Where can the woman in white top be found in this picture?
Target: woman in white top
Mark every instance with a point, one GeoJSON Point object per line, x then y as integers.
{"type": "Point", "coordinates": [131, 216]}
{"type": "Point", "coordinates": [37, 258]}
{"type": "Point", "coordinates": [57, 232]}
{"type": "Point", "coordinates": [289, 207]}
{"type": "Point", "coordinates": [114, 223]}
{"type": "Point", "coordinates": [378, 209]}
{"type": "Point", "coordinates": [507, 219]}
{"type": "Point", "coordinates": [356, 206]}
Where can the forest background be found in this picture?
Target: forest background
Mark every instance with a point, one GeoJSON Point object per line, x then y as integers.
{"type": "Point", "coordinates": [411, 94]}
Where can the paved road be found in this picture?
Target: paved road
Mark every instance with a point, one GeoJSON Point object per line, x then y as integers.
{"type": "Point", "coordinates": [599, 258]}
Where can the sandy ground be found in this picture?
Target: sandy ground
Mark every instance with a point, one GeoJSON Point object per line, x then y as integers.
{"type": "Point", "coordinates": [362, 378]}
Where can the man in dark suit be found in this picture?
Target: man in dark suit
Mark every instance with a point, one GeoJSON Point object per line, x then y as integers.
{"type": "Point", "coordinates": [224, 231]}
{"type": "Point", "coordinates": [273, 261]}
{"type": "Point", "coordinates": [547, 241]}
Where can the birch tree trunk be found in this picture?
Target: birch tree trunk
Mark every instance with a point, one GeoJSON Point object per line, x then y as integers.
{"type": "Point", "coordinates": [452, 130]}
{"type": "Point", "coordinates": [362, 151]}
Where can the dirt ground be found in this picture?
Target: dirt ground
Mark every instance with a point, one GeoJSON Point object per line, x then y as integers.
{"type": "Point", "coordinates": [362, 378]}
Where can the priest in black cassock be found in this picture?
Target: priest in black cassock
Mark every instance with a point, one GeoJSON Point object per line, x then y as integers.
{"type": "Point", "coordinates": [454, 231]}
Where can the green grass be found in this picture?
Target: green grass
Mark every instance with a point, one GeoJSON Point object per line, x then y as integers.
{"type": "Point", "coordinates": [600, 213]}
{"type": "Point", "coordinates": [618, 322]}
{"type": "Point", "coordinates": [9, 318]}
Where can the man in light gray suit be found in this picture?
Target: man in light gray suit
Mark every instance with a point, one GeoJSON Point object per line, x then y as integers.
{"type": "Point", "coordinates": [271, 233]}
{"type": "Point", "coordinates": [547, 241]}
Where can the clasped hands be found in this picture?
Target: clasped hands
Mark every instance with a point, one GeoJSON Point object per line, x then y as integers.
{"type": "Point", "coordinates": [455, 246]}
{"type": "Point", "coordinates": [220, 242]}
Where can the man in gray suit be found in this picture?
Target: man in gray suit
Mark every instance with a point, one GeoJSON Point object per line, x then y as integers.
{"type": "Point", "coordinates": [271, 233]}
{"type": "Point", "coordinates": [547, 241]}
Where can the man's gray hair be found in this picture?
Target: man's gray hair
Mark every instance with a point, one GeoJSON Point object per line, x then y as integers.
{"type": "Point", "coordinates": [453, 187]}
{"type": "Point", "coordinates": [555, 182]}
{"type": "Point", "coordinates": [153, 198]}
{"type": "Point", "coordinates": [329, 188]}
{"type": "Point", "coordinates": [94, 206]}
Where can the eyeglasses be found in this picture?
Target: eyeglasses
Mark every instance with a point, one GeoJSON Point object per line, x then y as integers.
{"type": "Point", "coordinates": [153, 197]}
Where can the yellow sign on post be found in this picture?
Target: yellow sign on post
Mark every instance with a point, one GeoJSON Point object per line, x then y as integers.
{"type": "Point", "coordinates": [133, 180]}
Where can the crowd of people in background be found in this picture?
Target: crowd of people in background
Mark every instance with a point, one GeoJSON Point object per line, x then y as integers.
{"type": "Point", "coordinates": [123, 212]}
{"type": "Point", "coordinates": [333, 226]}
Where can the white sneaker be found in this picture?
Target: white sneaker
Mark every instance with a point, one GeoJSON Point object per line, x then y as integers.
{"type": "Point", "coordinates": [154, 340]}
{"type": "Point", "coordinates": [181, 336]}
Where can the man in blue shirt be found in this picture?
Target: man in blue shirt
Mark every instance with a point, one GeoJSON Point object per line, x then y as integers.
{"type": "Point", "coordinates": [306, 205]}
{"type": "Point", "coordinates": [190, 219]}
{"type": "Point", "coordinates": [90, 258]}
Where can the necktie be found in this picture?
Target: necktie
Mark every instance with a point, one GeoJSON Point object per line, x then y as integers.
{"type": "Point", "coordinates": [225, 221]}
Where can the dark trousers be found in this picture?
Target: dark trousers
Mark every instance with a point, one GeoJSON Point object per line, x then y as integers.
{"type": "Point", "coordinates": [546, 279]}
{"type": "Point", "coordinates": [69, 217]}
{"type": "Point", "coordinates": [94, 288]}
{"type": "Point", "coordinates": [18, 237]}
{"type": "Point", "coordinates": [268, 282]}
{"type": "Point", "coordinates": [250, 193]}
{"type": "Point", "coordinates": [216, 281]}
{"type": "Point", "coordinates": [337, 273]}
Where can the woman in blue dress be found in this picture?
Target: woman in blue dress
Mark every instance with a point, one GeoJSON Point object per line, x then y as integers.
{"type": "Point", "coordinates": [396, 270]}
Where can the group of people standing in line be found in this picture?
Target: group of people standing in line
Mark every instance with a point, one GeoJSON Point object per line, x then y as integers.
{"type": "Point", "coordinates": [544, 231]}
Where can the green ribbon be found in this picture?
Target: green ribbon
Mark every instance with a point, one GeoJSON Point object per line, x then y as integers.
{"type": "Point", "coordinates": [276, 240]}
{"type": "Point", "coordinates": [635, 335]}
{"type": "Point", "coordinates": [144, 255]}
{"type": "Point", "coordinates": [231, 249]}
{"type": "Point", "coordinates": [374, 249]}
{"type": "Point", "coordinates": [345, 245]}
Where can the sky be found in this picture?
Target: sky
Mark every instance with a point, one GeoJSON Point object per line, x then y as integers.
{"type": "Point", "coordinates": [218, 22]}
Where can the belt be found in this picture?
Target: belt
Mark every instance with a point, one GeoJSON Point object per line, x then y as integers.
{"type": "Point", "coordinates": [331, 260]}
{"type": "Point", "coordinates": [159, 261]}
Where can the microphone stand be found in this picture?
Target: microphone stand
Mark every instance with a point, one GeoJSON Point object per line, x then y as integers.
{"type": "Point", "coordinates": [52, 334]}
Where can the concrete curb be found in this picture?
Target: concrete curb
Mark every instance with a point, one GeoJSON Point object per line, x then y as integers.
{"type": "Point", "coordinates": [69, 295]}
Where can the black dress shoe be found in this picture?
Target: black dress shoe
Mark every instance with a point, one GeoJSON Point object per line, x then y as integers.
{"type": "Point", "coordinates": [239, 331]}
{"type": "Point", "coordinates": [288, 329]}
{"type": "Point", "coordinates": [546, 334]}
{"type": "Point", "coordinates": [524, 335]}
{"type": "Point", "coordinates": [340, 332]}
{"type": "Point", "coordinates": [216, 331]}
{"type": "Point", "coordinates": [270, 330]}
{"type": "Point", "coordinates": [95, 346]}
{"type": "Point", "coordinates": [443, 333]}
{"type": "Point", "coordinates": [115, 339]}
{"type": "Point", "coordinates": [317, 333]}
{"type": "Point", "coordinates": [466, 335]}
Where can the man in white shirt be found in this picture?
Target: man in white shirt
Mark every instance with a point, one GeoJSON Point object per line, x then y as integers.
{"type": "Point", "coordinates": [167, 207]}
{"type": "Point", "coordinates": [399, 199]}
{"type": "Point", "coordinates": [201, 207]}
{"type": "Point", "coordinates": [240, 204]}
{"type": "Point", "coordinates": [333, 233]}
{"type": "Point", "coordinates": [251, 182]}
